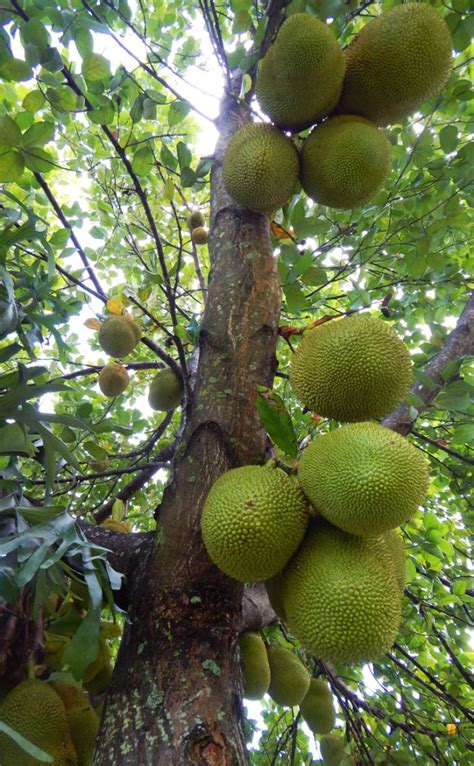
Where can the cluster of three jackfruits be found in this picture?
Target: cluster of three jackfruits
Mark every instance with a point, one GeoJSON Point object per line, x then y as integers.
{"type": "Point", "coordinates": [396, 62]}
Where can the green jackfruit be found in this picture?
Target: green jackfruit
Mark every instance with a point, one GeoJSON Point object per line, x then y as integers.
{"type": "Point", "coordinates": [300, 78]}
{"type": "Point", "coordinates": [317, 708]}
{"type": "Point", "coordinates": [199, 236]}
{"type": "Point", "coordinates": [260, 167]}
{"type": "Point", "coordinates": [394, 540]}
{"type": "Point", "coordinates": [166, 391]}
{"type": "Point", "coordinates": [36, 712]}
{"type": "Point", "coordinates": [364, 478]}
{"type": "Point", "coordinates": [113, 379]}
{"type": "Point", "coordinates": [256, 670]}
{"type": "Point", "coordinates": [118, 336]}
{"type": "Point", "coordinates": [253, 520]}
{"type": "Point", "coordinates": [196, 220]}
{"type": "Point", "coordinates": [82, 720]}
{"type": "Point", "coordinates": [274, 587]}
{"type": "Point", "coordinates": [341, 597]}
{"type": "Point", "coordinates": [351, 369]}
{"type": "Point", "coordinates": [344, 162]}
{"type": "Point", "coordinates": [101, 681]}
{"type": "Point", "coordinates": [289, 682]}
{"type": "Point", "coordinates": [395, 63]}
{"type": "Point", "coordinates": [332, 749]}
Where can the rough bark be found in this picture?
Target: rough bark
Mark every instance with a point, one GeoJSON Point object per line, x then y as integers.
{"type": "Point", "coordinates": [175, 695]}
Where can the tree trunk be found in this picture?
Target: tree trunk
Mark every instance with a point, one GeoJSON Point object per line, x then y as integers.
{"type": "Point", "coordinates": [175, 696]}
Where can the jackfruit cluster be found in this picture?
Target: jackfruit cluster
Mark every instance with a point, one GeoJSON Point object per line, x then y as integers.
{"type": "Point", "coordinates": [113, 379]}
{"type": "Point", "coordinates": [260, 167]}
{"type": "Point", "coordinates": [351, 369]}
{"type": "Point", "coordinates": [396, 62]}
{"type": "Point", "coordinates": [166, 391]}
{"type": "Point", "coordinates": [289, 679]}
{"type": "Point", "coordinates": [344, 162]}
{"type": "Point", "coordinates": [317, 708]}
{"type": "Point", "coordinates": [364, 478]}
{"type": "Point", "coordinates": [118, 336]}
{"type": "Point", "coordinates": [196, 224]}
{"type": "Point", "coordinates": [253, 520]}
{"type": "Point", "coordinates": [256, 669]}
{"type": "Point", "coordinates": [300, 78]}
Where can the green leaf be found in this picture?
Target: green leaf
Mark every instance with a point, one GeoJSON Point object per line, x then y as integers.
{"type": "Point", "coordinates": [95, 67]}
{"type": "Point", "coordinates": [25, 744]}
{"type": "Point", "coordinates": [12, 166]}
{"type": "Point", "coordinates": [34, 32]}
{"type": "Point", "coordinates": [51, 60]}
{"type": "Point", "coordinates": [95, 450]}
{"type": "Point", "coordinates": [277, 421]}
{"type": "Point", "coordinates": [38, 514]}
{"type": "Point", "coordinates": [448, 138]}
{"type": "Point", "coordinates": [457, 396]}
{"type": "Point", "coordinates": [38, 160]}
{"type": "Point", "coordinates": [10, 133]}
{"type": "Point", "coordinates": [14, 440]}
{"type": "Point", "coordinates": [39, 134]}
{"type": "Point", "coordinates": [188, 177]}
{"type": "Point", "coordinates": [143, 160]}
{"type": "Point", "coordinates": [184, 155]}
{"type": "Point", "coordinates": [177, 112]}
{"type": "Point", "coordinates": [33, 101]}
{"type": "Point", "coordinates": [15, 69]}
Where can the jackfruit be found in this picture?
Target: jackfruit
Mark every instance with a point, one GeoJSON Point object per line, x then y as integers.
{"type": "Point", "coordinates": [256, 670]}
{"type": "Point", "coordinates": [394, 540]}
{"type": "Point", "coordinates": [253, 520]}
{"type": "Point", "coordinates": [341, 597]}
{"type": "Point", "coordinates": [396, 62]}
{"type": "Point", "coordinates": [344, 162]}
{"type": "Point", "coordinates": [300, 78]}
{"type": "Point", "coordinates": [36, 712]}
{"type": "Point", "coordinates": [54, 647]}
{"type": "Point", "coordinates": [273, 587]}
{"type": "Point", "coordinates": [332, 749]}
{"type": "Point", "coordinates": [118, 336]}
{"type": "Point", "coordinates": [364, 478]}
{"type": "Point", "coordinates": [113, 379]}
{"type": "Point", "coordinates": [101, 681]}
{"type": "Point", "coordinates": [196, 220]}
{"type": "Point", "coordinates": [82, 720]}
{"type": "Point", "coordinates": [289, 682]}
{"type": "Point", "coordinates": [199, 236]}
{"type": "Point", "coordinates": [260, 167]}
{"type": "Point", "coordinates": [317, 708]}
{"type": "Point", "coordinates": [166, 391]}
{"type": "Point", "coordinates": [351, 369]}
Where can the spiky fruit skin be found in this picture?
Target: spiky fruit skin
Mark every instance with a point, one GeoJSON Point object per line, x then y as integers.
{"type": "Point", "coordinates": [394, 540]}
{"type": "Point", "coordinates": [36, 712]}
{"type": "Point", "coordinates": [113, 379]}
{"type": "Point", "coordinates": [260, 167]}
{"type": "Point", "coordinates": [364, 478]}
{"type": "Point", "coordinates": [344, 162]}
{"type": "Point", "coordinates": [199, 235]}
{"type": "Point", "coordinates": [274, 587]}
{"type": "Point", "coordinates": [166, 391]}
{"type": "Point", "coordinates": [341, 597]}
{"type": "Point", "coordinates": [332, 749]}
{"type": "Point", "coordinates": [118, 336]}
{"type": "Point", "coordinates": [253, 520]}
{"type": "Point", "coordinates": [196, 220]}
{"type": "Point", "coordinates": [82, 720]}
{"type": "Point", "coordinates": [351, 369]}
{"type": "Point", "coordinates": [256, 670]}
{"type": "Point", "coordinates": [289, 682]}
{"type": "Point", "coordinates": [300, 78]}
{"type": "Point", "coordinates": [395, 63]}
{"type": "Point", "coordinates": [317, 708]}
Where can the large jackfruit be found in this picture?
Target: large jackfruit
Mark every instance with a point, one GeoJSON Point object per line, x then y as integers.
{"type": "Point", "coordinates": [118, 336]}
{"type": "Point", "coordinates": [395, 63]}
{"type": "Point", "coordinates": [351, 369]}
{"type": "Point", "coordinates": [113, 379]}
{"type": "Point", "coordinates": [344, 162]}
{"type": "Point", "coordinates": [289, 682]}
{"type": "Point", "coordinates": [36, 712]}
{"type": "Point", "coordinates": [82, 720]}
{"type": "Point", "coordinates": [253, 520]}
{"type": "Point", "coordinates": [317, 708]}
{"type": "Point", "coordinates": [364, 478]}
{"type": "Point", "coordinates": [332, 749]}
{"type": "Point", "coordinates": [166, 390]}
{"type": "Point", "coordinates": [342, 600]}
{"type": "Point", "coordinates": [274, 587]}
{"type": "Point", "coordinates": [300, 78]}
{"type": "Point", "coordinates": [256, 670]}
{"type": "Point", "coordinates": [260, 167]}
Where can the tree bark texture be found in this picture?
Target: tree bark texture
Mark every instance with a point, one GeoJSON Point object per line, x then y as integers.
{"type": "Point", "coordinates": [175, 696]}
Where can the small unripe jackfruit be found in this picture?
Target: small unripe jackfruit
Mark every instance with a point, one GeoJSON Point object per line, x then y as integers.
{"type": "Point", "coordinates": [396, 62]}
{"type": "Point", "coordinates": [256, 670]}
{"type": "Point", "coordinates": [290, 680]}
{"type": "Point", "coordinates": [317, 708]}
{"type": "Point", "coordinates": [82, 720]}
{"type": "Point", "coordinates": [118, 336]}
{"type": "Point", "coordinates": [195, 220]}
{"type": "Point", "coordinates": [260, 167]}
{"type": "Point", "coordinates": [332, 749]}
{"type": "Point", "coordinates": [166, 390]}
{"type": "Point", "coordinates": [344, 162]}
{"type": "Point", "coordinates": [252, 522]}
{"type": "Point", "coordinates": [199, 235]}
{"type": "Point", "coordinates": [364, 478]}
{"type": "Point", "coordinates": [351, 369]}
{"type": "Point", "coordinates": [113, 379]}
